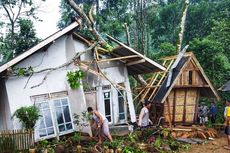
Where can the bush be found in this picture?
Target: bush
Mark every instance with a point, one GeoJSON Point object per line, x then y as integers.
{"type": "Point", "coordinates": [28, 116]}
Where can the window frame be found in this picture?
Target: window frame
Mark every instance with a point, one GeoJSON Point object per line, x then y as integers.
{"type": "Point", "coordinates": [39, 122]}
{"type": "Point", "coordinates": [50, 100]}
{"type": "Point", "coordinates": [55, 120]}
{"type": "Point", "coordinates": [111, 105]}
{"type": "Point", "coordinates": [124, 105]}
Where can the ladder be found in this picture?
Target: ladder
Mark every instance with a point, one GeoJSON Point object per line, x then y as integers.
{"type": "Point", "coordinates": [154, 82]}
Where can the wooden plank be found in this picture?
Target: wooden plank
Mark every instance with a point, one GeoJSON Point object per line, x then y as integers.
{"type": "Point", "coordinates": [18, 138]}
{"type": "Point", "coordinates": [191, 86]}
{"type": "Point", "coordinates": [174, 56]}
{"type": "Point", "coordinates": [169, 114]}
{"type": "Point", "coordinates": [174, 106]}
{"type": "Point", "coordinates": [82, 39]}
{"type": "Point", "coordinates": [135, 62]}
{"type": "Point", "coordinates": [196, 106]}
{"type": "Point", "coordinates": [161, 79]}
{"type": "Point", "coordinates": [117, 58]}
{"type": "Point", "coordinates": [185, 101]}
{"type": "Point", "coordinates": [137, 53]}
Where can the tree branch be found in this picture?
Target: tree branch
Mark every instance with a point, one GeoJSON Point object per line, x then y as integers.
{"type": "Point", "coordinates": [20, 7]}
{"type": "Point", "coordinates": [89, 21]}
{"type": "Point", "coordinates": [127, 34]}
{"type": "Point", "coordinates": [8, 13]}
{"type": "Point", "coordinates": [59, 67]}
{"type": "Point", "coordinates": [182, 25]}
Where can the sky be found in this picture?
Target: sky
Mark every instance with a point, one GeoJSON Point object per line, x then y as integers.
{"type": "Point", "coordinates": [49, 13]}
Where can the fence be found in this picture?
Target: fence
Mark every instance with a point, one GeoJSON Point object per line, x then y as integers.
{"type": "Point", "coordinates": [15, 140]}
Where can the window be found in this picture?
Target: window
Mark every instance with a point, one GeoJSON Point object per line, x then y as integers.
{"type": "Point", "coordinates": [190, 77]}
{"type": "Point", "coordinates": [45, 127]}
{"type": "Point", "coordinates": [107, 103]}
{"type": "Point", "coordinates": [63, 117]}
{"type": "Point", "coordinates": [121, 105]}
{"type": "Point", "coordinates": [54, 113]}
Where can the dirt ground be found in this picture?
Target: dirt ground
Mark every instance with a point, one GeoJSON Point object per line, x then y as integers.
{"type": "Point", "coordinates": [215, 146]}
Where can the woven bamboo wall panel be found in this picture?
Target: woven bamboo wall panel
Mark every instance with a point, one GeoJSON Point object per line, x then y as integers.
{"type": "Point", "coordinates": [191, 92]}
{"type": "Point", "coordinates": [180, 93]}
{"type": "Point", "coordinates": [179, 109]}
{"type": "Point", "coordinates": [179, 101]}
{"type": "Point", "coordinates": [190, 109]}
{"type": "Point", "coordinates": [178, 117]}
{"type": "Point", "coordinates": [189, 117]}
{"type": "Point", "coordinates": [190, 100]}
{"type": "Point", "coordinates": [170, 101]}
{"type": "Point", "coordinates": [166, 110]}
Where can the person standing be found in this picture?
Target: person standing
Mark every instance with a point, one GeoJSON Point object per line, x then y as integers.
{"type": "Point", "coordinates": [213, 112]}
{"type": "Point", "coordinates": [102, 124]}
{"type": "Point", "coordinates": [144, 115]}
{"type": "Point", "coordinates": [227, 123]}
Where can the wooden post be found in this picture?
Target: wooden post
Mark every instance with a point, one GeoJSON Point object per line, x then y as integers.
{"type": "Point", "coordinates": [184, 111]}
{"type": "Point", "coordinates": [196, 106]}
{"type": "Point", "coordinates": [170, 119]}
{"type": "Point", "coordinates": [174, 107]}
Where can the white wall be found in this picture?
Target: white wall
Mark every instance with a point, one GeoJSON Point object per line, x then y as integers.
{"type": "Point", "coordinates": [5, 115]}
{"type": "Point", "coordinates": [116, 74]}
{"type": "Point", "coordinates": [57, 54]}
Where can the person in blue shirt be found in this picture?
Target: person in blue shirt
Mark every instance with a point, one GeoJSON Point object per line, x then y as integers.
{"type": "Point", "coordinates": [213, 112]}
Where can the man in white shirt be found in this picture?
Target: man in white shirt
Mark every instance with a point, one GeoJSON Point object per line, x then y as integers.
{"type": "Point", "coordinates": [144, 115]}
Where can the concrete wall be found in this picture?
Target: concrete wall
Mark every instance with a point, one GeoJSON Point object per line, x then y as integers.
{"type": "Point", "coordinates": [5, 115]}
{"type": "Point", "coordinates": [57, 54]}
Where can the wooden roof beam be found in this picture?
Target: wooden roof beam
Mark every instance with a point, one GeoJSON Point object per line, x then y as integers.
{"type": "Point", "coordinates": [117, 58]}
{"type": "Point", "coordinates": [175, 56]}
{"type": "Point", "coordinates": [135, 62]}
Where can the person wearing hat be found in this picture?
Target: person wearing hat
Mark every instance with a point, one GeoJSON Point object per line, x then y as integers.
{"type": "Point", "coordinates": [144, 115]}
{"type": "Point", "coordinates": [227, 123]}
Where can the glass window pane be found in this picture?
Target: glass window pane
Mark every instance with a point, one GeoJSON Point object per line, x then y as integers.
{"type": "Point", "coordinates": [64, 101]}
{"type": "Point", "coordinates": [59, 116]}
{"type": "Point", "coordinates": [61, 128]}
{"type": "Point", "coordinates": [107, 95]}
{"type": "Point", "coordinates": [42, 133]}
{"type": "Point", "coordinates": [67, 114]}
{"type": "Point", "coordinates": [42, 124]}
{"type": "Point", "coordinates": [44, 105]}
{"type": "Point", "coordinates": [50, 131]}
{"type": "Point", "coordinates": [121, 116]}
{"type": "Point", "coordinates": [57, 103]}
{"type": "Point", "coordinates": [108, 118]}
{"type": "Point", "coordinates": [48, 119]}
{"type": "Point", "coordinates": [69, 126]}
{"type": "Point", "coordinates": [39, 105]}
{"type": "Point", "coordinates": [121, 105]}
{"type": "Point", "coordinates": [107, 107]}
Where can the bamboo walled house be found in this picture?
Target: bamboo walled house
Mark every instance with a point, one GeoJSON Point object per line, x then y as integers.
{"type": "Point", "coordinates": [176, 95]}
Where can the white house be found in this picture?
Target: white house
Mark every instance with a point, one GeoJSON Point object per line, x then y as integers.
{"type": "Point", "coordinates": [110, 93]}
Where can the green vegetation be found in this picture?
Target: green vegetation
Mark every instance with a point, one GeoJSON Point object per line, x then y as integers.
{"type": "Point", "coordinates": [74, 78]}
{"type": "Point", "coordinates": [28, 116]}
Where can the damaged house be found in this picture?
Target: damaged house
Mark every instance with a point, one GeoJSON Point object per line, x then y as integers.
{"type": "Point", "coordinates": [177, 91]}
{"type": "Point", "coordinates": [105, 87]}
